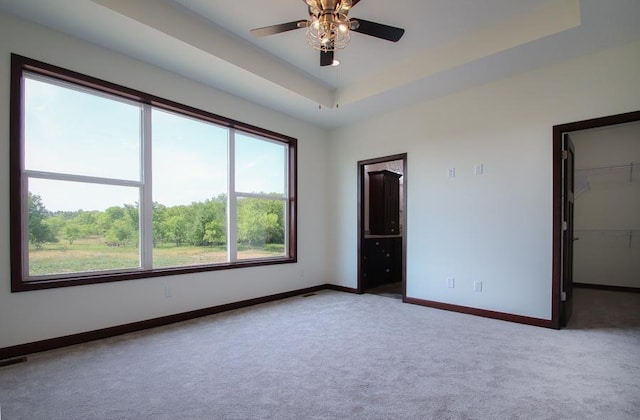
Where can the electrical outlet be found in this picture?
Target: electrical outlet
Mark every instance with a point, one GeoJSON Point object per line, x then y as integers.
{"type": "Point", "coordinates": [452, 172]}
{"type": "Point", "coordinates": [451, 282]}
{"type": "Point", "coordinates": [478, 169]}
{"type": "Point", "coordinates": [477, 286]}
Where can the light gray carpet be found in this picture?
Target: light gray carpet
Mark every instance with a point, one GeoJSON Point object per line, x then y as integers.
{"type": "Point", "coordinates": [392, 290]}
{"type": "Point", "coordinates": [342, 356]}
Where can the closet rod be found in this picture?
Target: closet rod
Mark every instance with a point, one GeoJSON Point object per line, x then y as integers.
{"type": "Point", "coordinates": [629, 233]}
{"type": "Point", "coordinates": [626, 165]}
{"type": "Point", "coordinates": [629, 166]}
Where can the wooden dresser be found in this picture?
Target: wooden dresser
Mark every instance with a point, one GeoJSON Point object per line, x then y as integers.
{"type": "Point", "coordinates": [382, 260]}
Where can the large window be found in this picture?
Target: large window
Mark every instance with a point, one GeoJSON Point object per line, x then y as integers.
{"type": "Point", "coordinates": [108, 183]}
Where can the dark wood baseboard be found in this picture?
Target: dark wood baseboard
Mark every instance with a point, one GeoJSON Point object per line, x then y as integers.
{"type": "Point", "coordinates": [538, 322]}
{"type": "Point", "coordinates": [84, 337]}
{"type": "Point", "coordinates": [341, 288]}
{"type": "Point", "coordinates": [12, 361]}
{"type": "Point", "coordinates": [606, 287]}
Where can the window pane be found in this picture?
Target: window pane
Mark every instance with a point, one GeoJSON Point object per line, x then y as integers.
{"type": "Point", "coordinates": [78, 227]}
{"type": "Point", "coordinates": [260, 166]}
{"type": "Point", "coordinates": [189, 191]}
{"type": "Point", "coordinates": [73, 132]}
{"type": "Point", "coordinates": [91, 177]}
{"type": "Point", "coordinates": [260, 228]}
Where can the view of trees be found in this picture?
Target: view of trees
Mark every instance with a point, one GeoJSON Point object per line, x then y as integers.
{"type": "Point", "coordinates": [260, 223]}
{"type": "Point", "coordinates": [39, 231]}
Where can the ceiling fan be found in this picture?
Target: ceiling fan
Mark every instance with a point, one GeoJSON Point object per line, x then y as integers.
{"type": "Point", "coordinates": [329, 27]}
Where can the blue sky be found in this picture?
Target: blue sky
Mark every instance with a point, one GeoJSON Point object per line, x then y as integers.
{"type": "Point", "coordinates": [71, 132]}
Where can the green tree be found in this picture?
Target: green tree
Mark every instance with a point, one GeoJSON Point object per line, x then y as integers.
{"type": "Point", "coordinates": [176, 224]}
{"type": "Point", "coordinates": [132, 214]}
{"type": "Point", "coordinates": [260, 221]}
{"type": "Point", "coordinates": [72, 232]}
{"type": "Point", "coordinates": [120, 233]}
{"type": "Point", "coordinates": [56, 223]}
{"type": "Point", "coordinates": [274, 221]}
{"type": "Point", "coordinates": [39, 231]}
{"type": "Point", "coordinates": [87, 222]}
{"type": "Point", "coordinates": [158, 216]}
{"type": "Point", "coordinates": [215, 233]}
{"type": "Point", "coordinates": [176, 228]}
{"type": "Point", "coordinates": [115, 213]}
{"type": "Point", "coordinates": [209, 222]}
{"type": "Point", "coordinates": [103, 223]}
{"type": "Point", "coordinates": [272, 231]}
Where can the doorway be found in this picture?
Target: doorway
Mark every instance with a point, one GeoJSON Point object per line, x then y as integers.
{"type": "Point", "coordinates": [382, 226]}
{"type": "Point", "coordinates": [565, 191]}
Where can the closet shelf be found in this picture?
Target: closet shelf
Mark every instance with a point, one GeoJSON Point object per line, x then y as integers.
{"type": "Point", "coordinates": [627, 168]}
{"type": "Point", "coordinates": [630, 236]}
{"type": "Point", "coordinates": [623, 173]}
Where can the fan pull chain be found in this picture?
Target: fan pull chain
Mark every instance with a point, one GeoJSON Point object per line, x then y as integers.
{"type": "Point", "coordinates": [337, 88]}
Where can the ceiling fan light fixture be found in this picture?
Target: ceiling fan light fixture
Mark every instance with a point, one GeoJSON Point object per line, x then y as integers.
{"type": "Point", "coordinates": [328, 31]}
{"type": "Point", "coordinates": [344, 6]}
{"type": "Point", "coordinates": [329, 28]}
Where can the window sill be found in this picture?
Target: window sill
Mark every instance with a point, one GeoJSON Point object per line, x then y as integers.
{"type": "Point", "coordinates": [28, 285]}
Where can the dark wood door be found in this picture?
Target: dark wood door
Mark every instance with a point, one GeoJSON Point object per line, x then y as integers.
{"type": "Point", "coordinates": [384, 203]}
{"type": "Point", "coordinates": [566, 284]}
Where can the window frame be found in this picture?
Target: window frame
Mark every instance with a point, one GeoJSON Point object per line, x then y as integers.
{"type": "Point", "coordinates": [19, 217]}
{"type": "Point", "coordinates": [234, 195]}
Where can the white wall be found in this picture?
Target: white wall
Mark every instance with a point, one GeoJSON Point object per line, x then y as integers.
{"type": "Point", "coordinates": [38, 315]}
{"type": "Point", "coordinates": [496, 227]}
{"type": "Point", "coordinates": [607, 206]}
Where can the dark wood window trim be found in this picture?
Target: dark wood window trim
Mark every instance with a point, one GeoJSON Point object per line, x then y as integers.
{"type": "Point", "coordinates": [19, 65]}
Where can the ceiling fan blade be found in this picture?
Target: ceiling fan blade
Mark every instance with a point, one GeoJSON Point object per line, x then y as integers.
{"type": "Point", "coordinates": [378, 30]}
{"type": "Point", "coordinates": [276, 29]}
{"type": "Point", "coordinates": [326, 58]}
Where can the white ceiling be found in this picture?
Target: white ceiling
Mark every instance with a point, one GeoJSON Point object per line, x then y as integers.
{"type": "Point", "coordinates": [448, 45]}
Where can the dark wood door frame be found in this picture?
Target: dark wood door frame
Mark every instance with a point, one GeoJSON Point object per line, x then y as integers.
{"type": "Point", "coordinates": [568, 202]}
{"type": "Point", "coordinates": [361, 165]}
{"type": "Point", "coordinates": [558, 131]}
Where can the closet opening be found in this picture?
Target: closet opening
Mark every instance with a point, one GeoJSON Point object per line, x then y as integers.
{"type": "Point", "coordinates": [597, 252]}
{"type": "Point", "coordinates": [382, 226]}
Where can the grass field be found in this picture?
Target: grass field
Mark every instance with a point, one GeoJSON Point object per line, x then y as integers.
{"type": "Point", "coordinates": [94, 255]}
